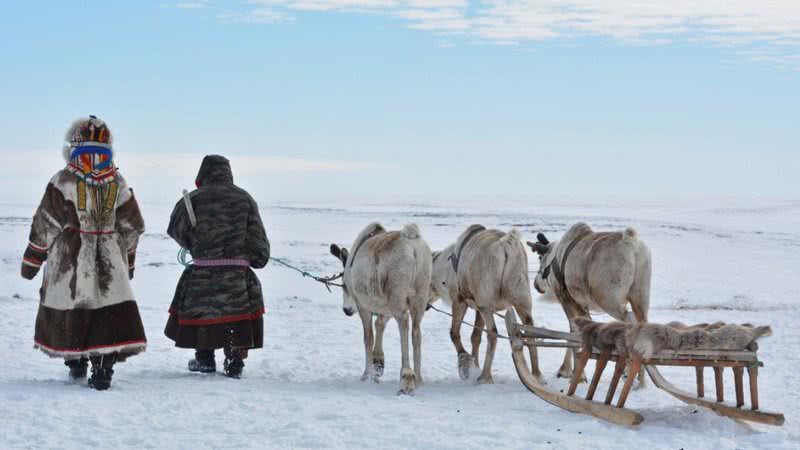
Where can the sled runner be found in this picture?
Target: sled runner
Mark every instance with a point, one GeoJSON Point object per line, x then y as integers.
{"type": "Point", "coordinates": [739, 361]}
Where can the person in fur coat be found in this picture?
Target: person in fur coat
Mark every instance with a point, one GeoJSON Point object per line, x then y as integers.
{"type": "Point", "coordinates": [218, 303]}
{"type": "Point", "coordinates": [84, 233]}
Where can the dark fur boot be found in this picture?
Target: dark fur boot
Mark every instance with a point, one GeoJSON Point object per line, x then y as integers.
{"type": "Point", "coordinates": [78, 368]}
{"type": "Point", "coordinates": [234, 362]}
{"type": "Point", "coordinates": [234, 367]}
{"type": "Point", "coordinates": [102, 371]}
{"type": "Point", "coordinates": [203, 362]}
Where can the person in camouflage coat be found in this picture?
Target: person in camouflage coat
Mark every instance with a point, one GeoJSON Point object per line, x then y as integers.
{"type": "Point", "coordinates": [218, 302]}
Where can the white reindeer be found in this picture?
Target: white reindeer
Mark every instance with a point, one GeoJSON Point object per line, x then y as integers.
{"type": "Point", "coordinates": [486, 270]}
{"type": "Point", "coordinates": [388, 274]}
{"type": "Point", "coordinates": [595, 271]}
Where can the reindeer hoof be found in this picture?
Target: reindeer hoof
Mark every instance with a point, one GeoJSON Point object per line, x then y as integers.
{"type": "Point", "coordinates": [484, 379]}
{"type": "Point", "coordinates": [569, 375]}
{"type": "Point", "coordinates": [378, 366]}
{"type": "Point", "coordinates": [464, 365]}
{"type": "Point", "coordinates": [408, 382]}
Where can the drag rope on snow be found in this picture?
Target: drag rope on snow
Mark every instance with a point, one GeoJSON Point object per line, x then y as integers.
{"type": "Point", "coordinates": [327, 281]}
{"type": "Point", "coordinates": [183, 254]}
{"type": "Point", "coordinates": [467, 323]}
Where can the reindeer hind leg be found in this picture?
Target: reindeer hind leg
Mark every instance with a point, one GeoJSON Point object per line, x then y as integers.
{"type": "Point", "coordinates": [378, 360]}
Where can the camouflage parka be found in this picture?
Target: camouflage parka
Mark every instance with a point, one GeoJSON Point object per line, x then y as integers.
{"type": "Point", "coordinates": [221, 306]}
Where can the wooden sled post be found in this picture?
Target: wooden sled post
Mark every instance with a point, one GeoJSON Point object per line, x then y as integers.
{"type": "Point", "coordinates": [752, 373]}
{"type": "Point", "coordinates": [701, 387]}
{"type": "Point", "coordinates": [619, 369]}
{"type": "Point", "coordinates": [602, 361]}
{"type": "Point", "coordinates": [576, 375]}
{"type": "Point", "coordinates": [737, 378]}
{"type": "Point", "coordinates": [636, 366]}
{"type": "Point", "coordinates": [720, 386]}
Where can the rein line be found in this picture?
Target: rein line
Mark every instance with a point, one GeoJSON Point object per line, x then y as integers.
{"type": "Point", "coordinates": [467, 323]}
{"type": "Point", "coordinates": [327, 281]}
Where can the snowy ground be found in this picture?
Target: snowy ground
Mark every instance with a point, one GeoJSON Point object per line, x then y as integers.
{"type": "Point", "coordinates": [733, 263]}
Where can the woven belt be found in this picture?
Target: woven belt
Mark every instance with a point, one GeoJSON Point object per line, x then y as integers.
{"type": "Point", "coordinates": [222, 262]}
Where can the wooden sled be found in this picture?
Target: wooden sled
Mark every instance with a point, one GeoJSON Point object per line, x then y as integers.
{"type": "Point", "coordinates": [522, 336]}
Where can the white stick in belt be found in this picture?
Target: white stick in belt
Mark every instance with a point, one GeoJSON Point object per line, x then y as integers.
{"type": "Point", "coordinates": [189, 208]}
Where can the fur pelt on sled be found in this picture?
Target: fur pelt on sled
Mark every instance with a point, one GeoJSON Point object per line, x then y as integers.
{"type": "Point", "coordinates": [647, 339]}
{"type": "Point", "coordinates": [603, 335]}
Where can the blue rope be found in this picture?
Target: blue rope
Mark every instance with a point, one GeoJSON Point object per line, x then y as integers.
{"type": "Point", "coordinates": [182, 257]}
{"type": "Point", "coordinates": [327, 281]}
{"type": "Point", "coordinates": [285, 264]}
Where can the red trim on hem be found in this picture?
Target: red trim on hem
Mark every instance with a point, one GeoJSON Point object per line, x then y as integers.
{"type": "Point", "coordinates": [96, 347]}
{"type": "Point", "coordinates": [219, 320]}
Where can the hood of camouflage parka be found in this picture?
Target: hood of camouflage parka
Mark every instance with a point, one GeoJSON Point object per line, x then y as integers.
{"type": "Point", "coordinates": [214, 169]}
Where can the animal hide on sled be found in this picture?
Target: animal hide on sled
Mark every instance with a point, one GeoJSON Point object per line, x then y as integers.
{"type": "Point", "coordinates": [603, 335]}
{"type": "Point", "coordinates": [648, 339]}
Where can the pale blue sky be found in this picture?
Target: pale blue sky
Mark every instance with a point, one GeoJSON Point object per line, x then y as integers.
{"type": "Point", "coordinates": [417, 97]}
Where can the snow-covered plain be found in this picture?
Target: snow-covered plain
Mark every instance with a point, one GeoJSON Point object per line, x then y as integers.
{"type": "Point", "coordinates": [735, 262]}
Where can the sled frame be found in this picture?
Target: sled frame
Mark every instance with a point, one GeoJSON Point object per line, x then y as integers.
{"type": "Point", "coordinates": [522, 336]}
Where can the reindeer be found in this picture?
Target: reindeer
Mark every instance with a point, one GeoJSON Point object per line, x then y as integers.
{"type": "Point", "coordinates": [388, 274]}
{"type": "Point", "coordinates": [595, 271]}
{"type": "Point", "coordinates": [486, 270]}
{"type": "Point", "coordinates": [442, 276]}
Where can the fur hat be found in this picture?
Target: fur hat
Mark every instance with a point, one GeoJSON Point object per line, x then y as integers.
{"type": "Point", "coordinates": [86, 131]}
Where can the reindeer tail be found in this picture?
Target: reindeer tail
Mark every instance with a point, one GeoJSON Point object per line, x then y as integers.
{"type": "Point", "coordinates": [411, 231]}
{"type": "Point", "coordinates": [513, 235]}
{"type": "Point", "coordinates": [630, 233]}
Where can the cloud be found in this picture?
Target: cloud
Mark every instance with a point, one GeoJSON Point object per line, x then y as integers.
{"type": "Point", "coordinates": [740, 24]}
{"type": "Point", "coordinates": [187, 5]}
{"type": "Point", "coordinates": [442, 19]}
{"type": "Point", "coordinates": [265, 15]}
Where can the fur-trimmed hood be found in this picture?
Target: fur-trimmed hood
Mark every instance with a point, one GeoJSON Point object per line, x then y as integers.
{"type": "Point", "coordinates": [74, 135]}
